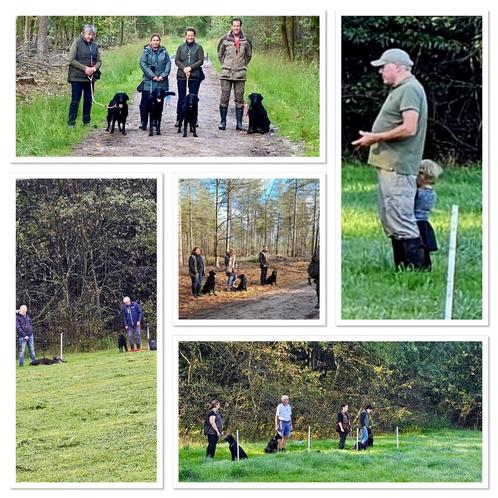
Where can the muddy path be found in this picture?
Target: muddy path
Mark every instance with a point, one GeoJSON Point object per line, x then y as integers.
{"type": "Point", "coordinates": [290, 303]}
{"type": "Point", "coordinates": [211, 142]}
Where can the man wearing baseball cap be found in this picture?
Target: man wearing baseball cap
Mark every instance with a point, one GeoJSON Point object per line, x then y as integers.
{"type": "Point", "coordinates": [396, 147]}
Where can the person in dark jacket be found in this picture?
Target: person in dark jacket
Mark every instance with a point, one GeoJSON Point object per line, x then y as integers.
{"type": "Point", "coordinates": [343, 426]}
{"type": "Point", "coordinates": [189, 59]}
{"type": "Point", "coordinates": [24, 328]}
{"type": "Point", "coordinates": [196, 271]}
{"type": "Point", "coordinates": [132, 318]}
{"type": "Point", "coordinates": [365, 424]}
{"type": "Point", "coordinates": [264, 264]}
{"type": "Point", "coordinates": [213, 427]}
{"type": "Point", "coordinates": [234, 54]}
{"type": "Point", "coordinates": [84, 70]}
{"type": "Point", "coordinates": [156, 66]}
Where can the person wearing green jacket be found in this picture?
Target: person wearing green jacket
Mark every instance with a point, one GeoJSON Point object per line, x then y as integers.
{"type": "Point", "coordinates": [156, 66]}
{"type": "Point", "coordinates": [234, 54]}
{"type": "Point", "coordinates": [84, 70]}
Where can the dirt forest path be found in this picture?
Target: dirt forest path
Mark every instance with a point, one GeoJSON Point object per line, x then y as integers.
{"type": "Point", "coordinates": [211, 142]}
{"type": "Point", "coordinates": [289, 303]}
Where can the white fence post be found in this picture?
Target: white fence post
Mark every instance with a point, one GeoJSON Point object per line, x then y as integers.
{"type": "Point", "coordinates": [397, 438]}
{"type": "Point", "coordinates": [309, 437]}
{"type": "Point", "coordinates": [450, 277]}
{"type": "Point", "coordinates": [238, 453]}
{"type": "Point", "coordinates": [357, 439]}
{"type": "Point", "coordinates": [61, 345]}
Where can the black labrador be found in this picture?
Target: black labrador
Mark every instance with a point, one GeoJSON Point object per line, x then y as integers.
{"type": "Point", "coordinates": [272, 445]}
{"type": "Point", "coordinates": [210, 285]}
{"type": "Point", "coordinates": [242, 284]}
{"type": "Point", "coordinates": [47, 361]}
{"type": "Point", "coordinates": [122, 343]}
{"type": "Point", "coordinates": [258, 117]}
{"type": "Point", "coordinates": [232, 443]}
{"type": "Point", "coordinates": [154, 109]}
{"type": "Point", "coordinates": [272, 279]}
{"type": "Point", "coordinates": [363, 446]}
{"type": "Point", "coordinates": [189, 114]}
{"type": "Point", "coordinates": [117, 110]}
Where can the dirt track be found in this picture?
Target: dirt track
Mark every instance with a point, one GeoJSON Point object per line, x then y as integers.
{"type": "Point", "coordinates": [211, 142]}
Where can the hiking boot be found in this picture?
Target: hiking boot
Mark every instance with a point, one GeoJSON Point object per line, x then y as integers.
{"type": "Point", "coordinates": [239, 113]}
{"type": "Point", "coordinates": [223, 116]}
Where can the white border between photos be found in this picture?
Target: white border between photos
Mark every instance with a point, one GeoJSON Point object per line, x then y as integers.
{"type": "Point", "coordinates": [162, 340]}
{"type": "Point", "coordinates": [484, 484]}
{"type": "Point", "coordinates": [321, 321]}
{"type": "Point", "coordinates": [146, 9]}
{"type": "Point", "coordinates": [484, 321]}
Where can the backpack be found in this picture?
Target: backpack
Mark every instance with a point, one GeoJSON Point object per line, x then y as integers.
{"type": "Point", "coordinates": [314, 270]}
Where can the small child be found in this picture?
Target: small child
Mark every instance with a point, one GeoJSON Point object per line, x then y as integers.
{"type": "Point", "coordinates": [425, 199]}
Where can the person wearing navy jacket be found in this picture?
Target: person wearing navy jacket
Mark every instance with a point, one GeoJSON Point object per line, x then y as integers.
{"type": "Point", "coordinates": [132, 318]}
{"type": "Point", "coordinates": [25, 336]}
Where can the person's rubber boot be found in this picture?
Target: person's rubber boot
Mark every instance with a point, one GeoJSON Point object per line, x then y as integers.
{"type": "Point", "coordinates": [414, 253]}
{"type": "Point", "coordinates": [143, 123]}
{"type": "Point", "coordinates": [239, 114]}
{"type": "Point", "coordinates": [398, 253]}
{"type": "Point", "coordinates": [177, 124]}
{"type": "Point", "coordinates": [223, 118]}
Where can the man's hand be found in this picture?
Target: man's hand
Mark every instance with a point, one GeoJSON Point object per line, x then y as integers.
{"type": "Point", "coordinates": [89, 70]}
{"type": "Point", "coordinates": [126, 327]}
{"type": "Point", "coordinates": [26, 338]}
{"type": "Point", "coordinates": [160, 78]}
{"type": "Point", "coordinates": [366, 139]}
{"type": "Point", "coordinates": [138, 324]}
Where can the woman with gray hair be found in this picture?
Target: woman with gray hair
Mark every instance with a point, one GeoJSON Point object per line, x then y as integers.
{"type": "Point", "coordinates": [84, 65]}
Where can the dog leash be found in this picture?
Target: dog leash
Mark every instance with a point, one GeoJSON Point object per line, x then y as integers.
{"type": "Point", "coordinates": [93, 98]}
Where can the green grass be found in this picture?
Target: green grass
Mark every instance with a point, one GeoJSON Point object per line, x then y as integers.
{"type": "Point", "coordinates": [439, 456]}
{"type": "Point", "coordinates": [371, 289]}
{"type": "Point", "coordinates": [92, 419]}
{"type": "Point", "coordinates": [291, 93]}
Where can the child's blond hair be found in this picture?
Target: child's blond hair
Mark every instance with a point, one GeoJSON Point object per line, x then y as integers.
{"type": "Point", "coordinates": [430, 170]}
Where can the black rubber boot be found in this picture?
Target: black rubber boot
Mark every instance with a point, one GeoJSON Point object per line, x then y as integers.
{"type": "Point", "coordinates": [143, 119]}
{"type": "Point", "coordinates": [398, 253]}
{"type": "Point", "coordinates": [223, 118]}
{"type": "Point", "coordinates": [414, 253]}
{"type": "Point", "coordinates": [239, 113]}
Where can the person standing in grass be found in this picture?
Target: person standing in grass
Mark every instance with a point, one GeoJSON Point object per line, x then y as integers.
{"type": "Point", "coordinates": [283, 422]}
{"type": "Point", "coordinates": [132, 318]}
{"type": "Point", "coordinates": [25, 336]}
{"type": "Point", "coordinates": [424, 202]}
{"type": "Point", "coordinates": [156, 66]}
{"type": "Point", "coordinates": [264, 264]}
{"type": "Point", "coordinates": [230, 268]}
{"type": "Point", "coordinates": [396, 145]}
{"type": "Point", "coordinates": [213, 428]}
{"type": "Point", "coordinates": [189, 58]}
{"type": "Point", "coordinates": [84, 70]}
{"type": "Point", "coordinates": [343, 425]}
{"type": "Point", "coordinates": [234, 54]}
{"type": "Point", "coordinates": [365, 424]}
{"type": "Point", "coordinates": [196, 271]}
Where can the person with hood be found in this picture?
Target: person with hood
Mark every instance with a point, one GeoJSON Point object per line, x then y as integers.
{"type": "Point", "coordinates": [25, 336]}
{"type": "Point", "coordinates": [234, 54]}
{"type": "Point", "coordinates": [156, 66]}
{"type": "Point", "coordinates": [132, 318]}
{"type": "Point", "coordinates": [84, 70]}
{"type": "Point", "coordinates": [189, 58]}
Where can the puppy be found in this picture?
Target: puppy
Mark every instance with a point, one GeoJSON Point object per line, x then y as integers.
{"type": "Point", "coordinates": [272, 279]}
{"type": "Point", "coordinates": [272, 445]}
{"type": "Point", "coordinates": [117, 110]}
{"type": "Point", "coordinates": [210, 285]}
{"type": "Point", "coordinates": [258, 117]}
{"type": "Point", "coordinates": [242, 284]}
{"type": "Point", "coordinates": [232, 443]}
{"type": "Point", "coordinates": [154, 109]}
{"type": "Point", "coordinates": [122, 343]}
{"type": "Point", "coordinates": [189, 114]}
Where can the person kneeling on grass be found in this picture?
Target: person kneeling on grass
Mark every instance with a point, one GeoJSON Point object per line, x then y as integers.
{"type": "Point", "coordinates": [132, 317]}
{"type": "Point", "coordinates": [283, 422]}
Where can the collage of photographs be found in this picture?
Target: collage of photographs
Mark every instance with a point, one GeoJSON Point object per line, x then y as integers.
{"type": "Point", "coordinates": [249, 251]}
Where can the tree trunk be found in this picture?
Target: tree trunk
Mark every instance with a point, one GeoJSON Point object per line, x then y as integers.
{"type": "Point", "coordinates": [292, 41]}
{"type": "Point", "coordinates": [278, 234]}
{"type": "Point", "coordinates": [229, 212]}
{"type": "Point", "coordinates": [285, 38]}
{"type": "Point", "coordinates": [42, 39]}
{"type": "Point", "coordinates": [294, 216]}
{"type": "Point", "coordinates": [216, 208]}
{"type": "Point", "coordinates": [27, 29]}
{"type": "Point", "coordinates": [121, 37]}
{"type": "Point", "coordinates": [190, 227]}
{"type": "Point", "coordinates": [313, 246]}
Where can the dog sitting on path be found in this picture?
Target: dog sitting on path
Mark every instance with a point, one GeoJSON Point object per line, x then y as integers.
{"type": "Point", "coordinates": [242, 284]}
{"type": "Point", "coordinates": [232, 443]}
{"type": "Point", "coordinates": [258, 117]}
{"type": "Point", "coordinates": [210, 285]}
{"type": "Point", "coordinates": [189, 114]}
{"type": "Point", "coordinates": [117, 110]}
{"type": "Point", "coordinates": [272, 279]}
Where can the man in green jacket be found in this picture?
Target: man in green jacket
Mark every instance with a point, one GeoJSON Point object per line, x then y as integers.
{"type": "Point", "coordinates": [84, 65]}
{"type": "Point", "coordinates": [234, 54]}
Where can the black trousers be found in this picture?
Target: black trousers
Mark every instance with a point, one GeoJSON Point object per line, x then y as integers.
{"type": "Point", "coordinates": [211, 449]}
{"type": "Point", "coordinates": [193, 87]}
{"type": "Point", "coordinates": [143, 106]}
{"type": "Point", "coordinates": [264, 271]}
{"type": "Point", "coordinates": [79, 88]}
{"type": "Point", "coordinates": [342, 439]}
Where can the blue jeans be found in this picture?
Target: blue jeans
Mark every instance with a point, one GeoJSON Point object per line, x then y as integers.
{"type": "Point", "coordinates": [22, 347]}
{"type": "Point", "coordinates": [79, 88]}
{"type": "Point", "coordinates": [134, 335]}
{"type": "Point", "coordinates": [196, 284]}
{"type": "Point", "coordinates": [193, 87]}
{"type": "Point", "coordinates": [364, 435]}
{"type": "Point", "coordinates": [231, 279]}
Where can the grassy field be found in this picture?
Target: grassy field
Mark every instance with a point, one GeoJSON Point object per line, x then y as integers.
{"type": "Point", "coordinates": [92, 419]}
{"type": "Point", "coordinates": [371, 289]}
{"type": "Point", "coordinates": [439, 456]}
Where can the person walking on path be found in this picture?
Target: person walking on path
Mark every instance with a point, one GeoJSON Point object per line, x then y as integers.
{"type": "Point", "coordinates": [234, 54]}
{"type": "Point", "coordinates": [132, 319]}
{"type": "Point", "coordinates": [24, 328]}
{"type": "Point", "coordinates": [264, 264]}
{"type": "Point", "coordinates": [396, 145]}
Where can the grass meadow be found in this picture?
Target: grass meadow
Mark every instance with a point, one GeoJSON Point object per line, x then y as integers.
{"type": "Point", "coordinates": [436, 456]}
{"type": "Point", "coordinates": [92, 419]}
{"type": "Point", "coordinates": [371, 289]}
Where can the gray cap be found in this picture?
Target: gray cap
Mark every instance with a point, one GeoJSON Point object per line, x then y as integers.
{"type": "Point", "coordinates": [394, 55]}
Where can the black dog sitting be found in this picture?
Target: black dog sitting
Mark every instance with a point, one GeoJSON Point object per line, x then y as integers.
{"type": "Point", "coordinates": [233, 448]}
{"type": "Point", "coordinates": [122, 343]}
{"type": "Point", "coordinates": [258, 117]}
{"type": "Point", "coordinates": [154, 109]}
{"type": "Point", "coordinates": [272, 279]}
{"type": "Point", "coordinates": [242, 284]}
{"type": "Point", "coordinates": [272, 445]}
{"type": "Point", "coordinates": [47, 361]}
{"type": "Point", "coordinates": [210, 285]}
{"type": "Point", "coordinates": [117, 110]}
{"type": "Point", "coordinates": [189, 114]}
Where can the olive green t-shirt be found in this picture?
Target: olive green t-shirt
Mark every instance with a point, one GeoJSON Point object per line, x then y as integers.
{"type": "Point", "coordinates": [402, 156]}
